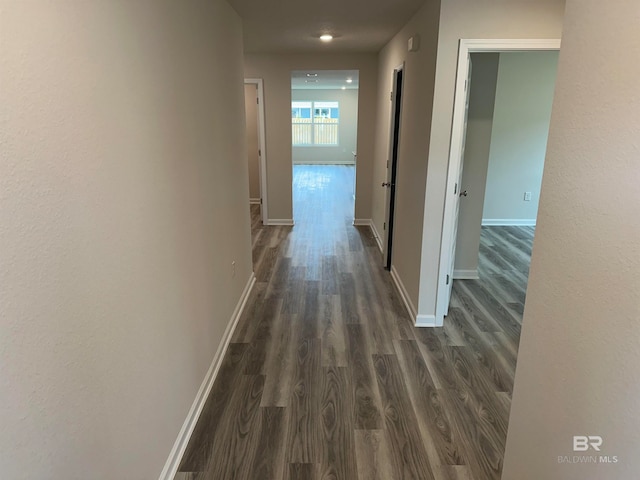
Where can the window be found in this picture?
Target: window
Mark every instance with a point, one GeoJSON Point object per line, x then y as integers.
{"type": "Point", "coordinates": [314, 123]}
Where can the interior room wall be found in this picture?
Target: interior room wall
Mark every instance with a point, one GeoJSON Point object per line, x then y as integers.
{"type": "Point", "coordinates": [276, 70]}
{"type": "Point", "coordinates": [465, 19]}
{"type": "Point", "coordinates": [124, 200]}
{"type": "Point", "coordinates": [482, 94]}
{"type": "Point", "coordinates": [419, 75]}
{"type": "Point", "coordinates": [579, 353]}
{"type": "Point", "coordinates": [253, 159]}
{"type": "Point", "coordinates": [505, 148]}
{"type": "Point", "coordinates": [347, 127]}
{"type": "Point", "coordinates": [526, 81]}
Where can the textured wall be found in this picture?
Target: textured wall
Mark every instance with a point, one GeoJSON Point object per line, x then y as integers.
{"type": "Point", "coordinates": [276, 71]}
{"type": "Point", "coordinates": [414, 142]}
{"type": "Point", "coordinates": [124, 199]}
{"type": "Point", "coordinates": [580, 348]}
{"type": "Point", "coordinates": [466, 19]}
{"type": "Point", "coordinates": [347, 127]}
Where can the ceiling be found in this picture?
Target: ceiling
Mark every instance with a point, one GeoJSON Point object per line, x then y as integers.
{"type": "Point", "coordinates": [295, 25]}
{"type": "Point", "coordinates": [324, 79]}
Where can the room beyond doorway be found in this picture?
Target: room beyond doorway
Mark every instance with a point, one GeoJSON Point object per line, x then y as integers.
{"type": "Point", "coordinates": [455, 187]}
{"type": "Point", "coordinates": [324, 124]}
{"type": "Point", "coordinates": [509, 112]}
{"type": "Point", "coordinates": [323, 195]}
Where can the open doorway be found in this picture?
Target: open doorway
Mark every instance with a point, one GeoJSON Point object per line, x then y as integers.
{"type": "Point", "coordinates": [392, 165]}
{"type": "Point", "coordinates": [502, 114]}
{"type": "Point", "coordinates": [510, 105]}
{"type": "Point", "coordinates": [256, 152]}
{"type": "Point", "coordinates": [324, 123]}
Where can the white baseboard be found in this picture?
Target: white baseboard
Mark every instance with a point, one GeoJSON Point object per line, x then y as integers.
{"type": "Point", "coordinates": [286, 222]}
{"type": "Point", "coordinates": [508, 222]}
{"type": "Point", "coordinates": [427, 321]}
{"type": "Point", "coordinates": [175, 457]}
{"type": "Point", "coordinates": [328, 162]}
{"type": "Point", "coordinates": [465, 274]}
{"type": "Point", "coordinates": [403, 292]}
{"type": "Point", "coordinates": [367, 222]}
{"type": "Point", "coordinates": [377, 235]}
{"type": "Point", "coordinates": [362, 222]}
{"type": "Point", "coordinates": [254, 201]}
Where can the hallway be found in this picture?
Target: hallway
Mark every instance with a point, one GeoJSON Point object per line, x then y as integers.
{"type": "Point", "coordinates": [326, 377]}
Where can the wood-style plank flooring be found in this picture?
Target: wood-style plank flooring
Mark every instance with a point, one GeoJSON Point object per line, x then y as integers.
{"type": "Point", "coordinates": [327, 378]}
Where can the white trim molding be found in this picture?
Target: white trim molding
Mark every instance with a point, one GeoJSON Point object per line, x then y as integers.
{"type": "Point", "coordinates": [175, 457]}
{"type": "Point", "coordinates": [423, 321]}
{"type": "Point", "coordinates": [506, 222]}
{"type": "Point", "coordinates": [403, 293]}
{"type": "Point", "coordinates": [465, 274]}
{"type": "Point", "coordinates": [254, 201]}
{"type": "Point", "coordinates": [361, 222]}
{"type": "Point", "coordinates": [377, 236]}
{"type": "Point", "coordinates": [284, 222]}
{"type": "Point", "coordinates": [367, 222]}
{"type": "Point", "coordinates": [472, 45]}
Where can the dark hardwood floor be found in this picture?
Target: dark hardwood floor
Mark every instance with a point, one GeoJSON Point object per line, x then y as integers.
{"type": "Point", "coordinates": [327, 378]}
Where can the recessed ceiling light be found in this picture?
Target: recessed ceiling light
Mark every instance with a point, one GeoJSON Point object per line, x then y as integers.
{"type": "Point", "coordinates": [326, 37]}
{"type": "Point", "coordinates": [349, 80]}
{"type": "Point", "coordinates": [312, 74]}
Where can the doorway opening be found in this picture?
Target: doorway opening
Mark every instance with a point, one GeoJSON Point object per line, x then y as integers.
{"type": "Point", "coordinates": [324, 125]}
{"type": "Point", "coordinates": [256, 151]}
{"type": "Point", "coordinates": [392, 165]}
{"type": "Point", "coordinates": [502, 110]}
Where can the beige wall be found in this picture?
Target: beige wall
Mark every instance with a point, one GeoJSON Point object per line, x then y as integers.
{"type": "Point", "coordinates": [347, 127]}
{"type": "Point", "coordinates": [251, 115]}
{"type": "Point", "coordinates": [414, 142]}
{"type": "Point", "coordinates": [466, 19]}
{"type": "Point", "coordinates": [526, 81]}
{"type": "Point", "coordinates": [482, 95]}
{"type": "Point", "coordinates": [579, 353]}
{"type": "Point", "coordinates": [124, 200]}
{"type": "Point", "coordinates": [276, 70]}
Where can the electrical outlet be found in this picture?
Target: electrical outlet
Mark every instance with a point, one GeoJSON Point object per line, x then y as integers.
{"type": "Point", "coordinates": [527, 196]}
{"type": "Point", "coordinates": [233, 269]}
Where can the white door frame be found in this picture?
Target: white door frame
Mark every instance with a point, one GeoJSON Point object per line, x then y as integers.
{"type": "Point", "coordinates": [263, 149]}
{"type": "Point", "coordinates": [467, 46]}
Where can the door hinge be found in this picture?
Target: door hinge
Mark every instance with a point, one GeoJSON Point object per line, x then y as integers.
{"type": "Point", "coordinates": [259, 152]}
{"type": "Point", "coordinates": [455, 189]}
{"type": "Point", "coordinates": [447, 280]}
{"type": "Point", "coordinates": [387, 163]}
{"type": "Point", "coordinates": [465, 85]}
{"type": "Point", "coordinates": [258, 101]}
{"type": "Point", "coordinates": [384, 226]}
{"type": "Point", "coordinates": [391, 96]}
{"type": "Point", "coordinates": [260, 201]}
